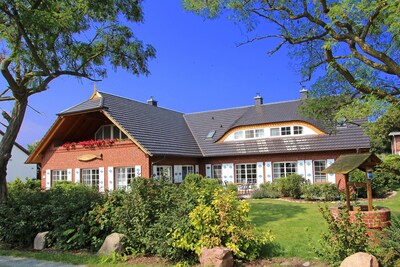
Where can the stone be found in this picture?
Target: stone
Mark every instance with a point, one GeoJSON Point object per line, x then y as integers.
{"type": "Point", "coordinates": [360, 259]}
{"type": "Point", "coordinates": [306, 264]}
{"type": "Point", "coordinates": [40, 241]}
{"type": "Point", "coordinates": [216, 257]}
{"type": "Point", "coordinates": [112, 243]}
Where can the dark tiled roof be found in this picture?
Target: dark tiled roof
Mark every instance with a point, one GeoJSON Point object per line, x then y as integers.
{"type": "Point", "coordinates": [166, 132]}
{"type": "Point", "coordinates": [88, 105]}
{"type": "Point", "coordinates": [159, 130]}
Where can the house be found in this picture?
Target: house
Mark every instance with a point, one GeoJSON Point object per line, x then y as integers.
{"type": "Point", "coordinates": [16, 166]}
{"type": "Point", "coordinates": [252, 144]}
{"type": "Point", "coordinates": [395, 142]}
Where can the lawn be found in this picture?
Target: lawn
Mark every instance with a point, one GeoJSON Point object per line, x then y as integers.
{"type": "Point", "coordinates": [298, 226]}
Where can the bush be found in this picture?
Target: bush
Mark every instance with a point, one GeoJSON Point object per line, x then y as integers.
{"type": "Point", "coordinates": [267, 190]}
{"type": "Point", "coordinates": [30, 211]}
{"type": "Point", "coordinates": [223, 222]}
{"type": "Point", "coordinates": [343, 238]}
{"type": "Point", "coordinates": [388, 251]}
{"type": "Point", "coordinates": [290, 186]}
{"type": "Point", "coordinates": [382, 182]}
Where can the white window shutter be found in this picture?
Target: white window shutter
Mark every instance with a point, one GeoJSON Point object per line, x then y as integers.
{"type": "Point", "coordinates": [154, 171]}
{"type": "Point", "coordinates": [301, 168]}
{"type": "Point", "coordinates": [110, 178]}
{"type": "Point", "coordinates": [177, 173]}
{"type": "Point", "coordinates": [331, 176]}
{"type": "Point", "coordinates": [48, 179]}
{"type": "Point", "coordinates": [268, 171]}
{"type": "Point", "coordinates": [69, 175]}
{"type": "Point", "coordinates": [228, 172]}
{"type": "Point", "coordinates": [260, 173]}
{"type": "Point", "coordinates": [101, 179]}
{"type": "Point", "coordinates": [208, 171]}
{"type": "Point", "coordinates": [138, 170]}
{"type": "Point", "coordinates": [77, 176]}
{"type": "Point", "coordinates": [196, 169]}
{"type": "Point", "coordinates": [309, 171]}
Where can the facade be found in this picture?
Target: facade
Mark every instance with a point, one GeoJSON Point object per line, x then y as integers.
{"type": "Point", "coordinates": [246, 145]}
{"type": "Point", "coordinates": [16, 166]}
{"type": "Point", "coordinates": [395, 142]}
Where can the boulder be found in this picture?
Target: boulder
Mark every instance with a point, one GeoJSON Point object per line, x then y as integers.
{"type": "Point", "coordinates": [216, 257]}
{"type": "Point", "coordinates": [360, 259]}
{"type": "Point", "coordinates": [112, 243]}
{"type": "Point", "coordinates": [40, 241]}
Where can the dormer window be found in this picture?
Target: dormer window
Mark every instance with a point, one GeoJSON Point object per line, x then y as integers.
{"type": "Point", "coordinates": [275, 131]}
{"type": "Point", "coordinates": [238, 135]}
{"type": "Point", "coordinates": [109, 132]}
{"type": "Point", "coordinates": [286, 131]}
{"type": "Point", "coordinates": [297, 129]}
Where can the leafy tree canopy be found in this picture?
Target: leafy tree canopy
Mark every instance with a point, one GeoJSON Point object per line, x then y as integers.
{"type": "Point", "coordinates": [45, 39]}
{"type": "Point", "coordinates": [348, 49]}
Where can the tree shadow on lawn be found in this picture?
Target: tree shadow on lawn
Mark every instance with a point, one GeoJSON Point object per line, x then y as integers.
{"type": "Point", "coordinates": [262, 213]}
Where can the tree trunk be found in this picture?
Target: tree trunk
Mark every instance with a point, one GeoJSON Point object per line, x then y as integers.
{"type": "Point", "coordinates": [8, 140]}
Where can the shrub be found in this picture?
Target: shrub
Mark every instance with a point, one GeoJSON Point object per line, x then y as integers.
{"type": "Point", "coordinates": [382, 182]}
{"type": "Point", "coordinates": [343, 238]}
{"type": "Point", "coordinates": [223, 222]}
{"type": "Point", "coordinates": [267, 190]}
{"type": "Point", "coordinates": [290, 186]}
{"type": "Point", "coordinates": [388, 251]}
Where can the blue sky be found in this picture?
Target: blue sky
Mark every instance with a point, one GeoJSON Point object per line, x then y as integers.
{"type": "Point", "coordinates": [198, 67]}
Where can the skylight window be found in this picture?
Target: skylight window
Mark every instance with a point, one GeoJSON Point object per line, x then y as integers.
{"type": "Point", "coordinates": [211, 134]}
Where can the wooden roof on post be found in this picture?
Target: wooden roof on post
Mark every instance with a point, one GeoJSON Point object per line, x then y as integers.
{"type": "Point", "coordinates": [347, 163]}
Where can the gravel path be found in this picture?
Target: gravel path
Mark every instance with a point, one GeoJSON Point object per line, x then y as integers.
{"type": "Point", "coordinates": [6, 261]}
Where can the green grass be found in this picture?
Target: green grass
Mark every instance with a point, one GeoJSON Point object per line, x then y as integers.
{"type": "Point", "coordinates": [289, 222]}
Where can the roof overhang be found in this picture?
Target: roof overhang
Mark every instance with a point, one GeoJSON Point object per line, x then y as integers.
{"type": "Point", "coordinates": [347, 163]}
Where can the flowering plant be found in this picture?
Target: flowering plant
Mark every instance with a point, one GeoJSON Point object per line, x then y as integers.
{"type": "Point", "coordinates": [90, 143]}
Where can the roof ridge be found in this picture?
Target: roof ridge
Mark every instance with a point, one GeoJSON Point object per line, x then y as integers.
{"type": "Point", "coordinates": [194, 136]}
{"type": "Point", "coordinates": [249, 106]}
{"type": "Point", "coordinates": [137, 101]}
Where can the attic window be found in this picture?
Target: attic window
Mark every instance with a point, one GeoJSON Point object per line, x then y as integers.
{"type": "Point", "coordinates": [211, 134]}
{"type": "Point", "coordinates": [109, 132]}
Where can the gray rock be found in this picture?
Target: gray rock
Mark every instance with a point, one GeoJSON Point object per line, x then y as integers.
{"type": "Point", "coordinates": [40, 241]}
{"type": "Point", "coordinates": [112, 243]}
{"type": "Point", "coordinates": [360, 259]}
{"type": "Point", "coordinates": [216, 257]}
{"type": "Point", "coordinates": [306, 264]}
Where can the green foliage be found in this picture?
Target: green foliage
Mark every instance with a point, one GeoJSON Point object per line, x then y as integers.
{"type": "Point", "coordinates": [267, 190]}
{"type": "Point", "coordinates": [327, 192]}
{"type": "Point", "coordinates": [223, 222]}
{"type": "Point", "coordinates": [31, 211]}
{"type": "Point", "coordinates": [388, 251]}
{"type": "Point", "coordinates": [343, 237]}
{"type": "Point", "coordinates": [290, 186]}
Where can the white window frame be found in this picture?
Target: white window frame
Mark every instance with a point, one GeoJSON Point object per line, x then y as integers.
{"type": "Point", "coordinates": [318, 176]}
{"type": "Point", "coordinates": [246, 173]}
{"type": "Point", "coordinates": [186, 170]}
{"type": "Point", "coordinates": [297, 130]}
{"type": "Point", "coordinates": [123, 177]}
{"type": "Point", "coordinates": [91, 177]}
{"type": "Point", "coordinates": [285, 129]}
{"type": "Point", "coordinates": [58, 176]}
{"type": "Point", "coordinates": [121, 135]}
{"type": "Point", "coordinates": [238, 135]}
{"type": "Point", "coordinates": [216, 171]}
{"type": "Point", "coordinates": [160, 171]}
{"type": "Point", "coordinates": [277, 170]}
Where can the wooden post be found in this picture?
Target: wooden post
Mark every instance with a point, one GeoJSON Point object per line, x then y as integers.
{"type": "Point", "coordinates": [369, 194]}
{"type": "Point", "coordinates": [346, 181]}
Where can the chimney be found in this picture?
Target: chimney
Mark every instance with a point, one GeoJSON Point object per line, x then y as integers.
{"type": "Point", "coordinates": [152, 102]}
{"type": "Point", "coordinates": [258, 100]}
{"type": "Point", "coordinates": [303, 94]}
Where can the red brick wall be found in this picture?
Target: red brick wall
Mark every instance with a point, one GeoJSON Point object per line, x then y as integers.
{"type": "Point", "coordinates": [120, 154]}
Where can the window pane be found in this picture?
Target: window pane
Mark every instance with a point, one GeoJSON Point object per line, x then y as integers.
{"type": "Point", "coordinates": [249, 134]}
{"type": "Point", "coordinates": [106, 132]}
{"type": "Point", "coordinates": [186, 170]}
{"type": "Point", "coordinates": [116, 132]}
{"type": "Point", "coordinates": [123, 136]}
{"type": "Point", "coordinates": [123, 177]}
{"type": "Point", "coordinates": [319, 165]}
{"type": "Point", "coordinates": [217, 171]}
{"type": "Point", "coordinates": [283, 169]}
{"type": "Point", "coordinates": [238, 135]}
{"type": "Point", "coordinates": [298, 130]}
{"type": "Point", "coordinates": [260, 133]}
{"type": "Point", "coordinates": [99, 134]}
{"type": "Point", "coordinates": [90, 177]}
{"type": "Point", "coordinates": [275, 132]}
{"type": "Point", "coordinates": [285, 131]}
